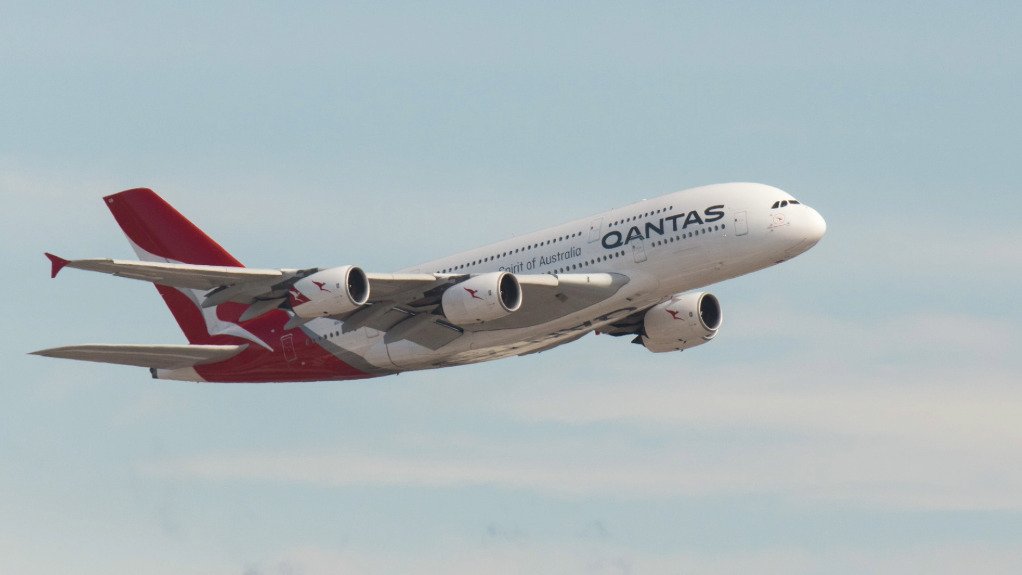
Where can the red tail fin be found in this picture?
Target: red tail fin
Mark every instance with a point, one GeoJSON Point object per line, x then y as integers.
{"type": "Point", "coordinates": [158, 232]}
{"type": "Point", "coordinates": [157, 228]}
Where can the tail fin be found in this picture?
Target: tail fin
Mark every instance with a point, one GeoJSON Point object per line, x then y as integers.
{"type": "Point", "coordinates": [160, 233]}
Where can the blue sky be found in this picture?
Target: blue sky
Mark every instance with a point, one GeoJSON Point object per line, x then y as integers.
{"type": "Point", "coordinates": [859, 412]}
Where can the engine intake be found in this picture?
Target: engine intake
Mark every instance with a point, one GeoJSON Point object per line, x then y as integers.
{"type": "Point", "coordinates": [333, 291]}
{"type": "Point", "coordinates": [684, 321]}
{"type": "Point", "coordinates": [481, 298]}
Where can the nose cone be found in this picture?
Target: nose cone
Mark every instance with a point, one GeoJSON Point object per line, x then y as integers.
{"type": "Point", "coordinates": [815, 225]}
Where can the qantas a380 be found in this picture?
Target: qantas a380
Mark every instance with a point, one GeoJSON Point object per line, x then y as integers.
{"type": "Point", "coordinates": [631, 272]}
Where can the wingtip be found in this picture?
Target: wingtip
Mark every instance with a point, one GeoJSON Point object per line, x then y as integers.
{"type": "Point", "coordinates": [48, 352]}
{"type": "Point", "coordinates": [57, 263]}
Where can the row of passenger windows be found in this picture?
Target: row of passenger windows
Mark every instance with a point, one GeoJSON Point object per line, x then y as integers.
{"type": "Point", "coordinates": [783, 203]}
{"type": "Point", "coordinates": [682, 236]}
{"type": "Point", "coordinates": [551, 241]}
{"type": "Point", "coordinates": [645, 215]}
{"type": "Point", "coordinates": [603, 258]}
{"type": "Point", "coordinates": [510, 252]}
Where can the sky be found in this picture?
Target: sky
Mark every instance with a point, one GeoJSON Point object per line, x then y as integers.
{"type": "Point", "coordinates": [860, 410]}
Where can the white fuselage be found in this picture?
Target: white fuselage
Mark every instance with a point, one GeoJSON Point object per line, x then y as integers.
{"type": "Point", "coordinates": [658, 244]}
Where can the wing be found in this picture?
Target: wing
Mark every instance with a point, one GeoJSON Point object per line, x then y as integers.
{"type": "Point", "coordinates": [547, 297]}
{"type": "Point", "coordinates": [417, 315]}
{"type": "Point", "coordinates": [238, 284]}
{"type": "Point", "coordinates": [404, 306]}
{"type": "Point", "coordinates": [264, 290]}
{"type": "Point", "coordinates": [152, 356]}
{"type": "Point", "coordinates": [189, 276]}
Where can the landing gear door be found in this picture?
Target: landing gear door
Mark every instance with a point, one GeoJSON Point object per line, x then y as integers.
{"type": "Point", "coordinates": [639, 251]}
{"type": "Point", "coordinates": [595, 229]}
{"type": "Point", "coordinates": [741, 224]}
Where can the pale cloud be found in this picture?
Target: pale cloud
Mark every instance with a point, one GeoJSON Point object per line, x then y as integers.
{"type": "Point", "coordinates": [943, 407]}
{"type": "Point", "coordinates": [466, 558]}
{"type": "Point", "coordinates": [147, 408]}
{"type": "Point", "coordinates": [944, 252]}
{"type": "Point", "coordinates": [90, 555]}
{"type": "Point", "coordinates": [878, 445]}
{"type": "Point", "coordinates": [932, 433]}
{"type": "Point", "coordinates": [612, 559]}
{"type": "Point", "coordinates": [932, 333]}
{"type": "Point", "coordinates": [961, 251]}
{"type": "Point", "coordinates": [40, 187]}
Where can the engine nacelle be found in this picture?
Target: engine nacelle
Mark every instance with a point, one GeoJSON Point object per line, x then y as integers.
{"type": "Point", "coordinates": [684, 321]}
{"type": "Point", "coordinates": [485, 297]}
{"type": "Point", "coordinates": [328, 292]}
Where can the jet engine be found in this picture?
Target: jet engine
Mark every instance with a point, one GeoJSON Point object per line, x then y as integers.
{"type": "Point", "coordinates": [484, 297]}
{"type": "Point", "coordinates": [328, 292]}
{"type": "Point", "coordinates": [684, 321]}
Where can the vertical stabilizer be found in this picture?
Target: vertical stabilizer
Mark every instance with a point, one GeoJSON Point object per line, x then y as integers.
{"type": "Point", "coordinates": [160, 233]}
{"type": "Point", "coordinates": [155, 228]}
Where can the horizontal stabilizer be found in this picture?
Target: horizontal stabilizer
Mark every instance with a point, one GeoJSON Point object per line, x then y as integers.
{"type": "Point", "coordinates": [152, 356]}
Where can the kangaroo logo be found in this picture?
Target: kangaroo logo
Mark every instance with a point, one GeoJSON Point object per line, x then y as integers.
{"type": "Point", "coordinates": [297, 297]}
{"type": "Point", "coordinates": [321, 286]}
{"type": "Point", "coordinates": [214, 324]}
{"type": "Point", "coordinates": [473, 292]}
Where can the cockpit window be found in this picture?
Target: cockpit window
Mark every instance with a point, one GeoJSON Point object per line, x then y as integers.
{"type": "Point", "coordinates": [783, 203]}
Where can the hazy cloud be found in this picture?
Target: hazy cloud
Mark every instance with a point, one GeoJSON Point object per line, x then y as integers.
{"type": "Point", "coordinates": [539, 558]}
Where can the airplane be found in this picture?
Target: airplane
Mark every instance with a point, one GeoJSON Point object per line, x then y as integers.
{"type": "Point", "coordinates": [633, 271]}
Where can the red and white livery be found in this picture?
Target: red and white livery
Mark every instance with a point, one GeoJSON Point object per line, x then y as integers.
{"type": "Point", "coordinates": [631, 271]}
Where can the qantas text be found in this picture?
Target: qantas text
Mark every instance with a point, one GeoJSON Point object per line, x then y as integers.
{"type": "Point", "coordinates": [615, 239]}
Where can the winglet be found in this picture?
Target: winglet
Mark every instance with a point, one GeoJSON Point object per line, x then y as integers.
{"type": "Point", "coordinates": [57, 263]}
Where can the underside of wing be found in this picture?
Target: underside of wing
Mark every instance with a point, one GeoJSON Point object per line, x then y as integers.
{"type": "Point", "coordinates": [405, 287]}
{"type": "Point", "coordinates": [548, 297]}
{"type": "Point", "coordinates": [545, 297]}
{"type": "Point", "coordinates": [152, 356]}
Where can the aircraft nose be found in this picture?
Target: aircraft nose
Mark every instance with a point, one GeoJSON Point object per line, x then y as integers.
{"type": "Point", "coordinates": [816, 226]}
